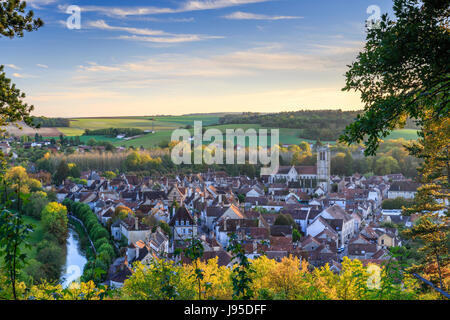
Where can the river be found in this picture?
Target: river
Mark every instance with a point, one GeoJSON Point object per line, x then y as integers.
{"type": "Point", "coordinates": [75, 260]}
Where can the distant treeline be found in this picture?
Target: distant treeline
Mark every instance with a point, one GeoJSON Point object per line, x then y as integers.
{"type": "Point", "coordinates": [113, 132]}
{"type": "Point", "coordinates": [327, 125]}
{"type": "Point", "coordinates": [44, 122]}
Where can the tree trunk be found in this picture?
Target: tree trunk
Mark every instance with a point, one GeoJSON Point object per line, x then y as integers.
{"type": "Point", "coordinates": [439, 270]}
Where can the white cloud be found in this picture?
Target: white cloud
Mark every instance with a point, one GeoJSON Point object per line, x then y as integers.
{"type": "Point", "coordinates": [187, 6]}
{"type": "Point", "coordinates": [13, 66]}
{"type": "Point", "coordinates": [170, 40]}
{"type": "Point", "coordinates": [38, 4]}
{"type": "Point", "coordinates": [216, 4]}
{"type": "Point", "coordinates": [23, 76]}
{"type": "Point", "coordinates": [149, 35]}
{"type": "Point", "coordinates": [43, 66]}
{"type": "Point", "coordinates": [94, 67]}
{"type": "Point", "coordinates": [101, 24]}
{"type": "Point", "coordinates": [239, 15]}
{"type": "Point", "coordinates": [124, 12]}
{"type": "Point", "coordinates": [254, 65]}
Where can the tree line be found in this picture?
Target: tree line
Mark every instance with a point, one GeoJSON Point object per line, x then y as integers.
{"type": "Point", "coordinates": [326, 125]}
{"type": "Point", "coordinates": [98, 264]}
{"type": "Point", "coordinates": [45, 122]}
{"type": "Point", "coordinates": [113, 132]}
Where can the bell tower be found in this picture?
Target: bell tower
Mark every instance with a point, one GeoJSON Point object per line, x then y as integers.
{"type": "Point", "coordinates": [324, 167]}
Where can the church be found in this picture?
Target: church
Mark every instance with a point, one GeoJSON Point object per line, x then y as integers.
{"type": "Point", "coordinates": [307, 177]}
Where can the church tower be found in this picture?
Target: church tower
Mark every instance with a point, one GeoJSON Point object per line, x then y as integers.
{"type": "Point", "coordinates": [324, 167]}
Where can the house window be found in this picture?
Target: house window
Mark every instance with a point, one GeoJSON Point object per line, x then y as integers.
{"type": "Point", "coordinates": [182, 222]}
{"type": "Point", "coordinates": [382, 241]}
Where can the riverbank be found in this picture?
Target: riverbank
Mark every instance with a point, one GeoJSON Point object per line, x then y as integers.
{"type": "Point", "coordinates": [75, 259]}
{"type": "Point", "coordinates": [83, 238]}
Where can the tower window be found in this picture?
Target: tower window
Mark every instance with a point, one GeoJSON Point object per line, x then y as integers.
{"type": "Point", "coordinates": [322, 156]}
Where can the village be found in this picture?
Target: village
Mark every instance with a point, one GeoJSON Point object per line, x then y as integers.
{"type": "Point", "coordinates": [293, 212]}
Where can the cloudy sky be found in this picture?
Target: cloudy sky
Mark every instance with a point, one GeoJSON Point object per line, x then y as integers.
{"type": "Point", "coordinates": [182, 56]}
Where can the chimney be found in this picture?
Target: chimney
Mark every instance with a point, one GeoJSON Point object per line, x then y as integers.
{"type": "Point", "coordinates": [225, 225]}
{"type": "Point", "coordinates": [220, 198]}
{"type": "Point", "coordinates": [136, 223]}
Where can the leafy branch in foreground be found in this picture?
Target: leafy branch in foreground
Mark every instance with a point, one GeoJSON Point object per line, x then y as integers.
{"type": "Point", "coordinates": [403, 71]}
{"type": "Point", "coordinates": [14, 21]}
{"type": "Point", "coordinates": [13, 238]}
{"type": "Point", "coordinates": [431, 201]}
{"type": "Point", "coordinates": [241, 276]}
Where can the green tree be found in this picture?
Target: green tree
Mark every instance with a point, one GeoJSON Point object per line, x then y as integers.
{"type": "Point", "coordinates": [54, 220]}
{"type": "Point", "coordinates": [92, 142]}
{"type": "Point", "coordinates": [430, 200]}
{"type": "Point", "coordinates": [61, 173]}
{"type": "Point", "coordinates": [195, 251]}
{"type": "Point", "coordinates": [242, 271]}
{"type": "Point", "coordinates": [74, 171]}
{"type": "Point", "coordinates": [109, 175]}
{"type": "Point", "coordinates": [15, 19]}
{"type": "Point", "coordinates": [51, 257]}
{"type": "Point", "coordinates": [284, 220]}
{"type": "Point", "coordinates": [296, 235]}
{"type": "Point", "coordinates": [403, 71]}
{"type": "Point", "coordinates": [35, 204]}
{"type": "Point", "coordinates": [133, 161]}
{"type": "Point", "coordinates": [13, 238]}
{"type": "Point", "coordinates": [386, 165]}
{"type": "Point", "coordinates": [396, 203]}
{"type": "Point", "coordinates": [341, 164]}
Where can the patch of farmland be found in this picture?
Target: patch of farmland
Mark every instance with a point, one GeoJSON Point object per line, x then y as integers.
{"type": "Point", "coordinates": [28, 131]}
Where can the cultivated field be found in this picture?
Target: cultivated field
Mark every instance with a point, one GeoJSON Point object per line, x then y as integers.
{"type": "Point", "coordinates": [78, 125]}
{"type": "Point", "coordinates": [163, 127]}
{"type": "Point", "coordinates": [28, 131]}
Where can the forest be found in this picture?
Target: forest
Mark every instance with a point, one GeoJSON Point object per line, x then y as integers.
{"type": "Point", "coordinates": [326, 125]}
{"type": "Point", "coordinates": [45, 122]}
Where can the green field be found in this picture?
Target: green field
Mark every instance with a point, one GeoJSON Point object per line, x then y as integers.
{"type": "Point", "coordinates": [164, 125]}
{"type": "Point", "coordinates": [78, 125]}
{"type": "Point", "coordinates": [407, 134]}
{"type": "Point", "coordinates": [35, 237]}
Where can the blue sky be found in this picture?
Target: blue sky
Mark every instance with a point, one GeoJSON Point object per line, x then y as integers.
{"type": "Point", "coordinates": [182, 56]}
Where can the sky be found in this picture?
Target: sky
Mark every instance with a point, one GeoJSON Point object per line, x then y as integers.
{"type": "Point", "coordinates": [172, 57]}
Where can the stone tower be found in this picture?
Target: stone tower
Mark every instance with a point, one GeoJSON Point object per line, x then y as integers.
{"type": "Point", "coordinates": [324, 167]}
